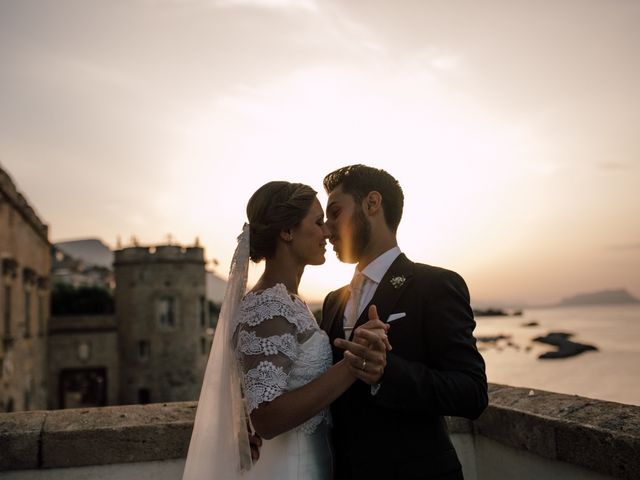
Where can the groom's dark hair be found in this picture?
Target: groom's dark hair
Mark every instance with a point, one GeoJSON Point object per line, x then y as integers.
{"type": "Point", "coordinates": [359, 180]}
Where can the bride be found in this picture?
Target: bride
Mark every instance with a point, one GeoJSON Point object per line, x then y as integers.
{"type": "Point", "coordinates": [270, 369]}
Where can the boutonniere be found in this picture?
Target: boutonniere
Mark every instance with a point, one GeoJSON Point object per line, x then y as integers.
{"type": "Point", "coordinates": [398, 281]}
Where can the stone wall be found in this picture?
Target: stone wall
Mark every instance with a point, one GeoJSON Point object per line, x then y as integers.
{"type": "Point", "coordinates": [163, 328]}
{"type": "Point", "coordinates": [25, 264]}
{"type": "Point", "coordinates": [82, 343]}
{"type": "Point", "coordinates": [600, 436]}
{"type": "Point", "coordinates": [523, 434]}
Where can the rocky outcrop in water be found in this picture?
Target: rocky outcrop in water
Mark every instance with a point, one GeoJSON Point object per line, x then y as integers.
{"type": "Point", "coordinates": [565, 347]}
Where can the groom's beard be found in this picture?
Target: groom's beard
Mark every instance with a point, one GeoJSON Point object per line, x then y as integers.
{"type": "Point", "coordinates": [352, 251]}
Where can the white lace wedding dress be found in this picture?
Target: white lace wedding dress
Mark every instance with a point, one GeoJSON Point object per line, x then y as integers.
{"type": "Point", "coordinates": [280, 348]}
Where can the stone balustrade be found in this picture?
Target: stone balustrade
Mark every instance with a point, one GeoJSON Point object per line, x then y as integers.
{"type": "Point", "coordinates": [522, 434]}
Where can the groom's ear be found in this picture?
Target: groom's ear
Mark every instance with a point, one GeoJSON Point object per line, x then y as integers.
{"type": "Point", "coordinates": [373, 202]}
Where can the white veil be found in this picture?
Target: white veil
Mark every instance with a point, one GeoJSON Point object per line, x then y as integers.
{"type": "Point", "coordinates": [219, 447]}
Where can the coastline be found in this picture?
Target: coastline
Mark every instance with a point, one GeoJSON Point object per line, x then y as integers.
{"type": "Point", "coordinates": [610, 373]}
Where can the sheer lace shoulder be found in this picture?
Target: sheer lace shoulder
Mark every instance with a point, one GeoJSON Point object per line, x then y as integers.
{"type": "Point", "coordinates": [266, 353]}
{"type": "Point", "coordinates": [279, 347]}
{"type": "Point", "coordinates": [267, 343]}
{"type": "Point", "coordinates": [273, 302]}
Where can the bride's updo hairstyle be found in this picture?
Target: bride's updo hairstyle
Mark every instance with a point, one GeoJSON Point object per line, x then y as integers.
{"type": "Point", "coordinates": [274, 207]}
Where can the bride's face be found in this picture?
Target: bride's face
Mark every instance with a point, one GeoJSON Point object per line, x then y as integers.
{"type": "Point", "coordinates": [309, 238]}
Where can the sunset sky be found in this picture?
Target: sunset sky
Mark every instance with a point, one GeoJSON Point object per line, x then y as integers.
{"type": "Point", "coordinates": [513, 127]}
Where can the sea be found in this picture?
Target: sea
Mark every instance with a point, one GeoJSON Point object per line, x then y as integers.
{"type": "Point", "coordinates": [612, 372]}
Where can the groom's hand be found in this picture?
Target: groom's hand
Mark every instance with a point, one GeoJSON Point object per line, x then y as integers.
{"type": "Point", "coordinates": [373, 334]}
{"type": "Point", "coordinates": [367, 354]}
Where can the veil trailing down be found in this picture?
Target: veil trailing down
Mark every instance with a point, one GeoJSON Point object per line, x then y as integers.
{"type": "Point", "coordinates": [219, 447]}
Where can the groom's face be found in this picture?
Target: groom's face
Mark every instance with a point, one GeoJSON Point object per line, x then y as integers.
{"type": "Point", "coordinates": [350, 230]}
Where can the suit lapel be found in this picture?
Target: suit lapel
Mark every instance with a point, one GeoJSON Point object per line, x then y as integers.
{"type": "Point", "coordinates": [387, 294]}
{"type": "Point", "coordinates": [332, 321]}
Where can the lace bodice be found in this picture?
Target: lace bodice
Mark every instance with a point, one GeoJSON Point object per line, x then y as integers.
{"type": "Point", "coordinates": [280, 348]}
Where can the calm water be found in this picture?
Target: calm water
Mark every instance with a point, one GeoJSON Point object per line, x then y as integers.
{"type": "Point", "coordinates": [612, 373]}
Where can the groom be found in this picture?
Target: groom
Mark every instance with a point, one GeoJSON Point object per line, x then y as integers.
{"type": "Point", "coordinates": [394, 427]}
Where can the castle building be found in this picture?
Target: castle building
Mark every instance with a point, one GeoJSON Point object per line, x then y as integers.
{"type": "Point", "coordinates": [153, 349]}
{"type": "Point", "coordinates": [25, 264]}
{"type": "Point", "coordinates": [163, 322]}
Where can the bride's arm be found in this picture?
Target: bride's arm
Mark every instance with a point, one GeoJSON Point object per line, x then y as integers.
{"type": "Point", "coordinates": [268, 348]}
{"type": "Point", "coordinates": [294, 407]}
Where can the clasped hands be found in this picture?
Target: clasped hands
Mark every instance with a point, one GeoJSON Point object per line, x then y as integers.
{"type": "Point", "coordinates": [366, 353]}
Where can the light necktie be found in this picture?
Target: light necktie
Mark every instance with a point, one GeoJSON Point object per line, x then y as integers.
{"type": "Point", "coordinates": [356, 292]}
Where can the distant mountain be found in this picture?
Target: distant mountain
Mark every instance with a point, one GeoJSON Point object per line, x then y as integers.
{"type": "Point", "coordinates": [91, 251]}
{"type": "Point", "coordinates": [599, 298]}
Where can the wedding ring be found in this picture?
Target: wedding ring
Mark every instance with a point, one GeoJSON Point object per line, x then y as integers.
{"type": "Point", "coordinates": [364, 364]}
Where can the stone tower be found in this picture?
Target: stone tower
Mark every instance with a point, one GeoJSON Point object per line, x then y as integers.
{"type": "Point", "coordinates": [163, 323]}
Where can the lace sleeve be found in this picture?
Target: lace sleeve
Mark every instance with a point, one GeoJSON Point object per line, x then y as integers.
{"type": "Point", "coordinates": [266, 352]}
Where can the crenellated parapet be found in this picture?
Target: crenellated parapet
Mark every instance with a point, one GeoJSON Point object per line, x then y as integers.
{"type": "Point", "coordinates": [159, 254]}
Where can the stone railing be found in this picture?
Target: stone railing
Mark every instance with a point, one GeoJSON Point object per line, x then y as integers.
{"type": "Point", "coordinates": [598, 436]}
{"type": "Point", "coordinates": [534, 431]}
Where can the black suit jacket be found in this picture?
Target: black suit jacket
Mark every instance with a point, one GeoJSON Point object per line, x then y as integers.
{"type": "Point", "coordinates": [433, 370]}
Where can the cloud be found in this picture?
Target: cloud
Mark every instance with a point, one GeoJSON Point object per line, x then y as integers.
{"type": "Point", "coordinates": [627, 246]}
{"type": "Point", "coordinates": [308, 5]}
{"type": "Point", "coordinates": [611, 166]}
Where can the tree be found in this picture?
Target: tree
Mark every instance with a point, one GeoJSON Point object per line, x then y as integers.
{"type": "Point", "coordinates": [69, 300]}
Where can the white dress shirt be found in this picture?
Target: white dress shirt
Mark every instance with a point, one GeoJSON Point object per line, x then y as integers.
{"type": "Point", "coordinates": [373, 274]}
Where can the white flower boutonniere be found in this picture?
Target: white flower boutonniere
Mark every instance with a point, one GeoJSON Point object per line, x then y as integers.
{"type": "Point", "coordinates": [398, 281]}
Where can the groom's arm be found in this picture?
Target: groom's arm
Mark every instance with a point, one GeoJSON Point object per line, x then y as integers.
{"type": "Point", "coordinates": [455, 383]}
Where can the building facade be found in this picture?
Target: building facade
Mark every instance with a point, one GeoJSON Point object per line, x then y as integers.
{"type": "Point", "coordinates": [25, 262]}
{"type": "Point", "coordinates": [82, 362]}
{"type": "Point", "coordinates": [153, 349]}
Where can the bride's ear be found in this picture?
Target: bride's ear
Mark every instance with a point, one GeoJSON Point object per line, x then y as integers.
{"type": "Point", "coordinates": [286, 235]}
